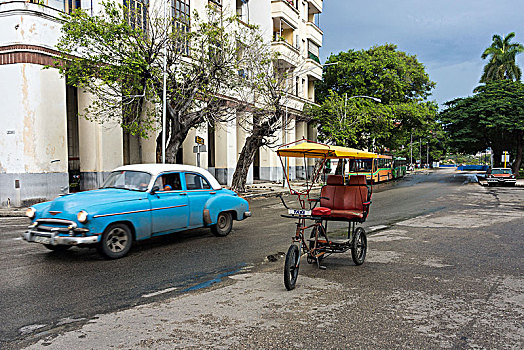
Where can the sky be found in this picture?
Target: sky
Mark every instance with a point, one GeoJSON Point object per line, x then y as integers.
{"type": "Point", "coordinates": [447, 36]}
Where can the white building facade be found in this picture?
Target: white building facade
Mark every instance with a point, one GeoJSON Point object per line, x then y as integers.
{"type": "Point", "coordinates": [46, 149]}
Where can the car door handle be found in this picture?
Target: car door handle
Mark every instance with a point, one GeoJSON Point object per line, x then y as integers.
{"type": "Point", "coordinates": [183, 194]}
{"type": "Point", "coordinates": [212, 193]}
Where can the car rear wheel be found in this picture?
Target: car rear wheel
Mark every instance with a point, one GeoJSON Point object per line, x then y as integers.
{"type": "Point", "coordinates": [116, 241]}
{"type": "Point", "coordinates": [224, 224]}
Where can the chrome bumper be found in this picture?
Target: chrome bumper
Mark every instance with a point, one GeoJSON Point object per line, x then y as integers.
{"type": "Point", "coordinates": [495, 180]}
{"type": "Point", "coordinates": [247, 214]}
{"type": "Point", "coordinates": [54, 239]}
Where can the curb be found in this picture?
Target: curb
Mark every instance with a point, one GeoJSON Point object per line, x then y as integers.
{"type": "Point", "coordinates": [15, 212]}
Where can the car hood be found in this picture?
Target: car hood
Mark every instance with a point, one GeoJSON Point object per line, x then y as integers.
{"type": "Point", "coordinates": [84, 200]}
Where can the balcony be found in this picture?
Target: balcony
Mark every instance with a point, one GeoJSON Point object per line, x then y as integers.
{"type": "Point", "coordinates": [314, 33]}
{"type": "Point", "coordinates": [315, 6]}
{"type": "Point", "coordinates": [288, 55]}
{"type": "Point", "coordinates": [284, 9]}
{"type": "Point", "coordinates": [313, 68]}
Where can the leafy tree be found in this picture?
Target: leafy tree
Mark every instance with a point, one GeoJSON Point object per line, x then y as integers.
{"type": "Point", "coordinates": [121, 65]}
{"type": "Point", "coordinates": [396, 78]}
{"type": "Point", "coordinates": [502, 56]}
{"type": "Point", "coordinates": [493, 117]}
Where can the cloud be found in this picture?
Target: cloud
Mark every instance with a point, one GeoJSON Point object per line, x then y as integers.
{"type": "Point", "coordinates": [448, 36]}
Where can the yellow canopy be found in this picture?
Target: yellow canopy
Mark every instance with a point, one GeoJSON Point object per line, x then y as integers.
{"type": "Point", "coordinates": [318, 150]}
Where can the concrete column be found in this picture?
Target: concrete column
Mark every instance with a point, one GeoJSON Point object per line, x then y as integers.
{"type": "Point", "coordinates": [270, 167]}
{"type": "Point", "coordinates": [312, 136]}
{"type": "Point", "coordinates": [300, 133]}
{"type": "Point", "coordinates": [190, 157]}
{"type": "Point", "coordinates": [290, 137]}
{"type": "Point", "coordinates": [149, 149]}
{"type": "Point", "coordinates": [101, 148]}
{"type": "Point", "coordinates": [225, 150]}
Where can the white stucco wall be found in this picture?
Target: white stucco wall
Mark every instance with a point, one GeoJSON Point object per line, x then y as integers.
{"type": "Point", "coordinates": [101, 148]}
{"type": "Point", "coordinates": [29, 24]}
{"type": "Point", "coordinates": [33, 125]}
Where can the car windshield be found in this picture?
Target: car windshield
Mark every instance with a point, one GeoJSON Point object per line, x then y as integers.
{"type": "Point", "coordinates": [127, 179]}
{"type": "Point", "coordinates": [501, 171]}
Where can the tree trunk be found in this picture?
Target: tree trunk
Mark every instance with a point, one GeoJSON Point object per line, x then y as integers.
{"type": "Point", "coordinates": [497, 156]}
{"type": "Point", "coordinates": [518, 156]}
{"type": "Point", "coordinates": [340, 167]}
{"type": "Point", "coordinates": [245, 159]}
{"type": "Point", "coordinates": [176, 134]}
{"type": "Point", "coordinates": [159, 148]}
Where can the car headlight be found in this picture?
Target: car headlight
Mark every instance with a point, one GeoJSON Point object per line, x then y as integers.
{"type": "Point", "coordinates": [82, 216]}
{"type": "Point", "coordinates": [30, 213]}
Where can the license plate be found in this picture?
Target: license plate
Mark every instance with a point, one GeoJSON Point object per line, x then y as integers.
{"type": "Point", "coordinates": [43, 240]}
{"type": "Point", "coordinates": [299, 212]}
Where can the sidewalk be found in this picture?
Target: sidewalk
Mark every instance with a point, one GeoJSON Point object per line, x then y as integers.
{"type": "Point", "coordinates": [268, 189]}
{"type": "Point", "coordinates": [12, 212]}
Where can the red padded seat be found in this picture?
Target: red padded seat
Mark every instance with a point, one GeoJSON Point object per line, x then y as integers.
{"type": "Point", "coordinates": [361, 181]}
{"type": "Point", "coordinates": [321, 211]}
{"type": "Point", "coordinates": [344, 202]}
{"type": "Point", "coordinates": [335, 180]}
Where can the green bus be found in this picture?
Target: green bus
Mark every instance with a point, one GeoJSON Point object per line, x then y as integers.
{"type": "Point", "coordinates": [399, 167]}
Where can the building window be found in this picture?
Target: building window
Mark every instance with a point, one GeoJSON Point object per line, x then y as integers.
{"type": "Point", "coordinates": [313, 51]}
{"type": "Point", "coordinates": [181, 14]}
{"type": "Point", "coordinates": [71, 5]}
{"type": "Point", "coordinates": [135, 13]}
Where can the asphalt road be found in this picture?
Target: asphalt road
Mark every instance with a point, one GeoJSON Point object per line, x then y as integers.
{"type": "Point", "coordinates": [427, 228]}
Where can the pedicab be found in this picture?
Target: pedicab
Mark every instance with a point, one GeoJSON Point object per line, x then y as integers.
{"type": "Point", "coordinates": [340, 200]}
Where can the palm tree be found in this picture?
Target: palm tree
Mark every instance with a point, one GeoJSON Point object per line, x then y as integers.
{"type": "Point", "coordinates": [502, 63]}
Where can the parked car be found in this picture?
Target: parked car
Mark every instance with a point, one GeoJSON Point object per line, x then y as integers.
{"type": "Point", "coordinates": [500, 176]}
{"type": "Point", "coordinates": [136, 202]}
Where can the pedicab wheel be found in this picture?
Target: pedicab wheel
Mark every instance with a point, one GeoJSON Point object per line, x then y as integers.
{"type": "Point", "coordinates": [359, 246]}
{"type": "Point", "coordinates": [291, 267]}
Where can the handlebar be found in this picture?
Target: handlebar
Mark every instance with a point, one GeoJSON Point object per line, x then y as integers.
{"type": "Point", "coordinates": [282, 199]}
{"type": "Point", "coordinates": [317, 200]}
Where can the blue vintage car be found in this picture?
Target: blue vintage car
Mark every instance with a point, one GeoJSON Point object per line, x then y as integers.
{"type": "Point", "coordinates": [136, 202]}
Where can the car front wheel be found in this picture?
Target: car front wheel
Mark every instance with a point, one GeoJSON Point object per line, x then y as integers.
{"type": "Point", "coordinates": [116, 241]}
{"type": "Point", "coordinates": [224, 225]}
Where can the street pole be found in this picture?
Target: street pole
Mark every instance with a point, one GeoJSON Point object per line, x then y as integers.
{"type": "Point", "coordinates": [284, 137]}
{"type": "Point", "coordinates": [164, 93]}
{"type": "Point", "coordinates": [345, 108]}
{"type": "Point", "coordinates": [411, 150]}
{"type": "Point", "coordinates": [427, 153]}
{"type": "Point", "coordinates": [420, 150]}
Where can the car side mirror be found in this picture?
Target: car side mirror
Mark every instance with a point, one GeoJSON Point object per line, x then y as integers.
{"type": "Point", "coordinates": [155, 189]}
